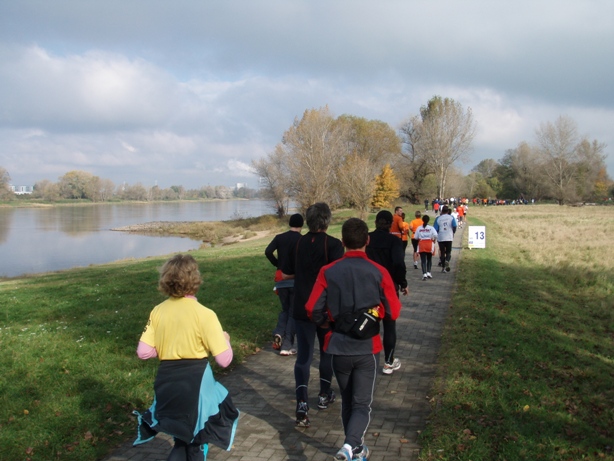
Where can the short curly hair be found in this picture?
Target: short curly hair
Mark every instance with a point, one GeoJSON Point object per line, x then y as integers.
{"type": "Point", "coordinates": [179, 276]}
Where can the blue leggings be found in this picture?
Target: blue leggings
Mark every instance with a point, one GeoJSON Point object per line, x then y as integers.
{"type": "Point", "coordinates": [306, 333]}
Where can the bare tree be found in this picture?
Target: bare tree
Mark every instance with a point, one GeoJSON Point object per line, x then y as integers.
{"type": "Point", "coordinates": [5, 182]}
{"type": "Point", "coordinates": [357, 182]}
{"type": "Point", "coordinates": [136, 192]}
{"type": "Point", "coordinates": [275, 179]}
{"type": "Point", "coordinates": [413, 166]}
{"type": "Point", "coordinates": [106, 190]}
{"type": "Point", "coordinates": [446, 134]}
{"type": "Point", "coordinates": [558, 143]}
{"type": "Point", "coordinates": [315, 148]}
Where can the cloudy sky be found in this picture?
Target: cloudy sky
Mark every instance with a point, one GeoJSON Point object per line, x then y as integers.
{"type": "Point", "coordinates": [190, 92]}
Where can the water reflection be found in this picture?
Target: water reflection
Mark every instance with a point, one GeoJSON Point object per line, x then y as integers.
{"type": "Point", "coordinates": [71, 220]}
{"type": "Point", "coordinates": [6, 218]}
{"type": "Point", "coordinates": [85, 249]}
{"type": "Point", "coordinates": [34, 240]}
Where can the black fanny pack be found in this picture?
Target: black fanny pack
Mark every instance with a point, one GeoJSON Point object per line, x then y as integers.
{"type": "Point", "coordinates": [361, 324]}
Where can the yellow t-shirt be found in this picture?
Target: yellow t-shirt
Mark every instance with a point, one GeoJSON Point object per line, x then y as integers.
{"type": "Point", "coordinates": [182, 328]}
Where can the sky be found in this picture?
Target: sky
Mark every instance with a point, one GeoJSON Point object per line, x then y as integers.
{"type": "Point", "coordinates": [189, 92]}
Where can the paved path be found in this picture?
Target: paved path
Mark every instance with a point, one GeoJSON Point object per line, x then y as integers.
{"type": "Point", "coordinates": [263, 390]}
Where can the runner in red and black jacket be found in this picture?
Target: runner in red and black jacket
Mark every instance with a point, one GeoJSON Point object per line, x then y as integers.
{"type": "Point", "coordinates": [351, 284]}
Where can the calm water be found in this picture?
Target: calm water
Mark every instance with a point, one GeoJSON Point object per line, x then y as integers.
{"type": "Point", "coordinates": [34, 240]}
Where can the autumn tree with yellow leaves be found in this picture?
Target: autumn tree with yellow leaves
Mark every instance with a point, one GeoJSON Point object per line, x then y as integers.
{"type": "Point", "coordinates": [386, 188]}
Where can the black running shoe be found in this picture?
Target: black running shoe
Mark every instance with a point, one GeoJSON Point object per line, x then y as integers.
{"type": "Point", "coordinates": [324, 400]}
{"type": "Point", "coordinates": [301, 414]}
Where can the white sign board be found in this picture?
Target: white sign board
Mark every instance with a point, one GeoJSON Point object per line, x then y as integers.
{"type": "Point", "coordinates": [477, 237]}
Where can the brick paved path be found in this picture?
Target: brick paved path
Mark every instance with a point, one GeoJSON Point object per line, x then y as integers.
{"type": "Point", "coordinates": [263, 390]}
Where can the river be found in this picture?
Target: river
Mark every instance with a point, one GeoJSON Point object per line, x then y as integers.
{"type": "Point", "coordinates": [35, 240]}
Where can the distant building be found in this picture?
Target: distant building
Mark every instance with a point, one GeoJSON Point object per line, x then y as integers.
{"type": "Point", "coordinates": [22, 190]}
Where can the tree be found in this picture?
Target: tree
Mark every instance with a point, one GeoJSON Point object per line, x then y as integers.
{"type": "Point", "coordinates": [477, 186]}
{"type": "Point", "coordinates": [357, 182]}
{"type": "Point", "coordinates": [275, 179]}
{"type": "Point", "coordinates": [521, 173]}
{"type": "Point", "coordinates": [314, 148]}
{"type": "Point", "coordinates": [223, 192]}
{"type": "Point", "coordinates": [136, 192]}
{"type": "Point", "coordinates": [46, 190]}
{"type": "Point", "coordinates": [179, 191]}
{"type": "Point", "coordinates": [5, 181]}
{"type": "Point", "coordinates": [591, 171]}
{"type": "Point", "coordinates": [386, 188]}
{"type": "Point", "coordinates": [371, 139]}
{"type": "Point", "coordinates": [76, 185]}
{"type": "Point", "coordinates": [105, 190]}
{"type": "Point", "coordinates": [413, 164]}
{"type": "Point", "coordinates": [446, 132]}
{"type": "Point", "coordinates": [558, 149]}
{"type": "Point", "coordinates": [486, 168]}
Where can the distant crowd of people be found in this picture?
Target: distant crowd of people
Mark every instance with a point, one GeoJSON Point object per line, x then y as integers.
{"type": "Point", "coordinates": [454, 202]}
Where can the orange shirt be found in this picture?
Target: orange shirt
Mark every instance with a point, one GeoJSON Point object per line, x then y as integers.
{"type": "Point", "coordinates": [414, 225]}
{"type": "Point", "coordinates": [397, 226]}
{"type": "Point", "coordinates": [405, 228]}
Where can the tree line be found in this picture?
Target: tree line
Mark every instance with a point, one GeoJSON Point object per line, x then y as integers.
{"type": "Point", "coordinates": [560, 165]}
{"type": "Point", "coordinates": [363, 164]}
{"type": "Point", "coordinates": [81, 185]}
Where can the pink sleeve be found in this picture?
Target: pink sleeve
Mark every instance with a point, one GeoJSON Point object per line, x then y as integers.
{"type": "Point", "coordinates": [223, 359]}
{"type": "Point", "coordinates": [145, 351]}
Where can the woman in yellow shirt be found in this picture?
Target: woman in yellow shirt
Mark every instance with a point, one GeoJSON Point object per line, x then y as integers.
{"type": "Point", "coordinates": [189, 404]}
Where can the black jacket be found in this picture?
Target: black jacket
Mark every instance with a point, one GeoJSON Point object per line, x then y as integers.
{"type": "Point", "coordinates": [387, 250]}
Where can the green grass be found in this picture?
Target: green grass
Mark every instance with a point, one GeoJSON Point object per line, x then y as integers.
{"type": "Point", "coordinates": [69, 375]}
{"type": "Point", "coordinates": [527, 362]}
{"type": "Point", "coordinates": [526, 367]}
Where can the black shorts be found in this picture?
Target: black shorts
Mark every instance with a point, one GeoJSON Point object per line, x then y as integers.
{"type": "Point", "coordinates": [414, 243]}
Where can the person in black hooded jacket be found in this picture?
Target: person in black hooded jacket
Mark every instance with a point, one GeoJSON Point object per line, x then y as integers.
{"type": "Point", "coordinates": [387, 250]}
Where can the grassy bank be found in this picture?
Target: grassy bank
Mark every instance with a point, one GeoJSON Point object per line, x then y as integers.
{"type": "Point", "coordinates": [69, 376]}
{"type": "Point", "coordinates": [527, 363]}
{"type": "Point", "coordinates": [526, 368]}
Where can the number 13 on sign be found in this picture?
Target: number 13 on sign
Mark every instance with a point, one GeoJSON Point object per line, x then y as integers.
{"type": "Point", "coordinates": [477, 237]}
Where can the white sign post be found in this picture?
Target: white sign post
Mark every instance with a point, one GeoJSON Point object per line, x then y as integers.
{"type": "Point", "coordinates": [477, 237]}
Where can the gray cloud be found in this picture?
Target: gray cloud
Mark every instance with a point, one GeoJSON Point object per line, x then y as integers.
{"type": "Point", "coordinates": [190, 92]}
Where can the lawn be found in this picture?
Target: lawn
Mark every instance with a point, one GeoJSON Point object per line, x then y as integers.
{"type": "Point", "coordinates": [526, 369]}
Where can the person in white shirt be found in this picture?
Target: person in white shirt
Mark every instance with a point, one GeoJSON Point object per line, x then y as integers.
{"type": "Point", "coordinates": [445, 225]}
{"type": "Point", "coordinates": [426, 236]}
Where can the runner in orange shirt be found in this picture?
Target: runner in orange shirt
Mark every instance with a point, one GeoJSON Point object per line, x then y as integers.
{"type": "Point", "coordinates": [397, 222]}
{"type": "Point", "coordinates": [405, 234]}
{"type": "Point", "coordinates": [461, 214]}
{"type": "Point", "coordinates": [413, 226]}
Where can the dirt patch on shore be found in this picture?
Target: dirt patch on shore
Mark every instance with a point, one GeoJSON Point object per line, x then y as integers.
{"type": "Point", "coordinates": [216, 233]}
